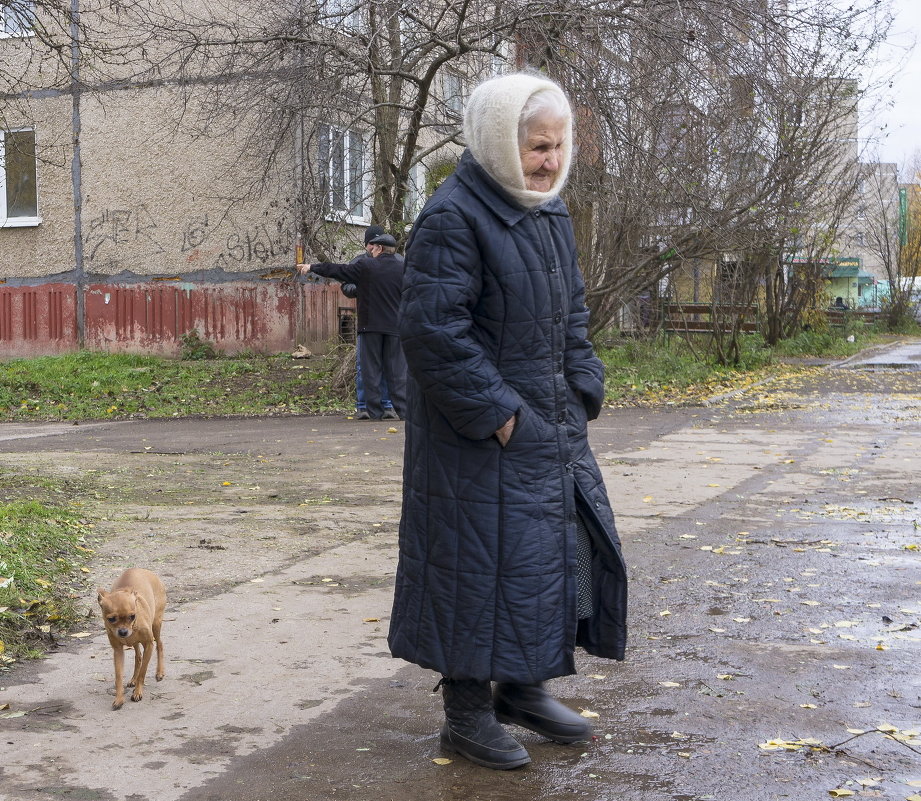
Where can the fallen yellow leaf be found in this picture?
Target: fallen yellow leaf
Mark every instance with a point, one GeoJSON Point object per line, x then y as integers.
{"type": "Point", "coordinates": [840, 793]}
{"type": "Point", "coordinates": [441, 761]}
{"type": "Point", "coordinates": [587, 713]}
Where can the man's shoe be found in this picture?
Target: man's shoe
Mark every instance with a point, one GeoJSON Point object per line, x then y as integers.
{"type": "Point", "coordinates": [362, 414]}
{"type": "Point", "coordinates": [390, 414]}
{"type": "Point", "coordinates": [471, 729]}
{"type": "Point", "coordinates": [530, 706]}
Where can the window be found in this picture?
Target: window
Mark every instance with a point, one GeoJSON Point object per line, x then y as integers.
{"type": "Point", "coordinates": [344, 14]}
{"type": "Point", "coordinates": [342, 168]}
{"type": "Point", "coordinates": [453, 84]}
{"type": "Point", "coordinates": [17, 18]}
{"type": "Point", "coordinates": [18, 183]}
{"type": "Point", "coordinates": [415, 191]}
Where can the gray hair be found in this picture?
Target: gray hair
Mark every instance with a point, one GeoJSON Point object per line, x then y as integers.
{"type": "Point", "coordinates": [549, 101]}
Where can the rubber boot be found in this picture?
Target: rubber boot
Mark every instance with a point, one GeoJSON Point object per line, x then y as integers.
{"type": "Point", "coordinates": [530, 706]}
{"type": "Point", "coordinates": [471, 728]}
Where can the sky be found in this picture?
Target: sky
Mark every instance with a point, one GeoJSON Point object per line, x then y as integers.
{"type": "Point", "coordinates": [902, 115]}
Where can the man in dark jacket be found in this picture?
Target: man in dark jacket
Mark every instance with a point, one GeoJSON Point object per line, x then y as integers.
{"type": "Point", "coordinates": [379, 279]}
{"type": "Point", "coordinates": [351, 291]}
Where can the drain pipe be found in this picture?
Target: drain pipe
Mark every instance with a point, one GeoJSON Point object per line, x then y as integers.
{"type": "Point", "coordinates": [76, 170]}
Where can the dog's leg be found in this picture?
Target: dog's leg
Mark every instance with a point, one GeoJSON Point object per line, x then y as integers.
{"type": "Point", "coordinates": [137, 665]}
{"type": "Point", "coordinates": [138, 693]}
{"type": "Point", "coordinates": [118, 654]}
{"type": "Point", "coordinates": [161, 670]}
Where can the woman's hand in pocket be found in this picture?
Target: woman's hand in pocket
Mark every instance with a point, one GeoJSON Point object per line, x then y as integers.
{"type": "Point", "coordinates": [505, 433]}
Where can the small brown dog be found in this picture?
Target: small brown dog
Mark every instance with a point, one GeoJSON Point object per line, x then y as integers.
{"type": "Point", "coordinates": [133, 614]}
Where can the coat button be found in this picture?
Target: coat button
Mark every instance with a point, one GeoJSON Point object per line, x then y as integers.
{"type": "Point", "coordinates": [558, 317]}
{"type": "Point", "coordinates": [537, 212]}
{"type": "Point", "coordinates": [561, 417]}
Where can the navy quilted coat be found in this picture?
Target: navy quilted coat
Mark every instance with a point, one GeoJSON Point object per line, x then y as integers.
{"type": "Point", "coordinates": [493, 325]}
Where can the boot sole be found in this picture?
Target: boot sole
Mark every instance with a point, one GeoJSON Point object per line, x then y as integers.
{"type": "Point", "coordinates": [450, 747]}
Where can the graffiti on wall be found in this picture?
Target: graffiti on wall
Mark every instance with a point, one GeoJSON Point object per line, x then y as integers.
{"type": "Point", "coordinates": [126, 238]}
{"type": "Point", "coordinates": [258, 245]}
{"type": "Point", "coordinates": [119, 233]}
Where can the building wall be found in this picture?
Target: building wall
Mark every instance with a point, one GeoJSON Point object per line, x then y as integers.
{"type": "Point", "coordinates": [164, 239]}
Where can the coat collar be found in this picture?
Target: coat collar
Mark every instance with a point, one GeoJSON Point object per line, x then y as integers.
{"type": "Point", "coordinates": [485, 187]}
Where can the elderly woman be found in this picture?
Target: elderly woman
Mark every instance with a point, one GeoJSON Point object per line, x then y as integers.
{"type": "Point", "coordinates": [509, 557]}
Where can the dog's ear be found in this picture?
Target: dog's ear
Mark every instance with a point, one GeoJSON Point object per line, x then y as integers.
{"type": "Point", "coordinates": [101, 593]}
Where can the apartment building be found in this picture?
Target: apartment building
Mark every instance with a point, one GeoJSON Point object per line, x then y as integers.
{"type": "Point", "coordinates": [134, 207]}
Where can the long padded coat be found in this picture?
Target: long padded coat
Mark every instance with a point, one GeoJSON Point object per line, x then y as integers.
{"type": "Point", "coordinates": [493, 324]}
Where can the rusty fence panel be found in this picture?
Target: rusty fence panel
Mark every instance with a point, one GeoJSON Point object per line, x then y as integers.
{"type": "Point", "coordinates": [152, 317]}
{"type": "Point", "coordinates": [38, 320]}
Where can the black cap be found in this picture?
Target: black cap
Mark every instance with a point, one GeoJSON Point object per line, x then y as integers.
{"type": "Point", "coordinates": [384, 239]}
{"type": "Point", "coordinates": [372, 231]}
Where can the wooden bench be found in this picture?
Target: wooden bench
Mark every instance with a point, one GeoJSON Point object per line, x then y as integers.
{"type": "Point", "coordinates": [701, 318]}
{"type": "Point", "coordinates": [838, 318]}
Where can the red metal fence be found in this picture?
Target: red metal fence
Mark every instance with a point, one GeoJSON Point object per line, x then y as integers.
{"type": "Point", "coordinates": [268, 316]}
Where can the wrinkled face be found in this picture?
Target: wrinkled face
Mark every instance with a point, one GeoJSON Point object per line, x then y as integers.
{"type": "Point", "coordinates": [542, 152]}
{"type": "Point", "coordinates": [119, 610]}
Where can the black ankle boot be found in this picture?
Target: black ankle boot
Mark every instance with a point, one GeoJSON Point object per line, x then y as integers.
{"type": "Point", "coordinates": [471, 729]}
{"type": "Point", "coordinates": [530, 706]}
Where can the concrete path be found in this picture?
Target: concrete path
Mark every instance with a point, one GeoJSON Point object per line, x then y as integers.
{"type": "Point", "coordinates": [775, 556]}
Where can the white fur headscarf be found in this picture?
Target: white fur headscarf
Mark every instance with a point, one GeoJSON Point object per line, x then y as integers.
{"type": "Point", "coordinates": [491, 130]}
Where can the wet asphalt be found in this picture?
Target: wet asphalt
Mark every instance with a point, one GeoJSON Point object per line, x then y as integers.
{"type": "Point", "coordinates": [773, 541]}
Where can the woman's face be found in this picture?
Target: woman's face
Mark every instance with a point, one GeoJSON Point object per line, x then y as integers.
{"type": "Point", "coordinates": [542, 152]}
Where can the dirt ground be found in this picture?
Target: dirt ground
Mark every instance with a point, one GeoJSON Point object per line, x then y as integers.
{"type": "Point", "coordinates": [772, 540]}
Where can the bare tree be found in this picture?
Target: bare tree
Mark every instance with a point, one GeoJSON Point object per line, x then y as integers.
{"type": "Point", "coordinates": [725, 135]}
{"type": "Point", "coordinates": [710, 130]}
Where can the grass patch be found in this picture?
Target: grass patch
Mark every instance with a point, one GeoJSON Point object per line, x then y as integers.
{"type": "Point", "coordinates": [42, 550]}
{"type": "Point", "coordinates": [95, 386]}
{"type": "Point", "coordinates": [670, 371]}
{"type": "Point", "coordinates": [825, 344]}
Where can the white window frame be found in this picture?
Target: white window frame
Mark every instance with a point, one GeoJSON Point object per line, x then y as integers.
{"type": "Point", "coordinates": [7, 19]}
{"type": "Point", "coordinates": [454, 96]}
{"type": "Point", "coordinates": [415, 191]}
{"type": "Point", "coordinates": [344, 137]}
{"type": "Point", "coordinates": [15, 222]}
